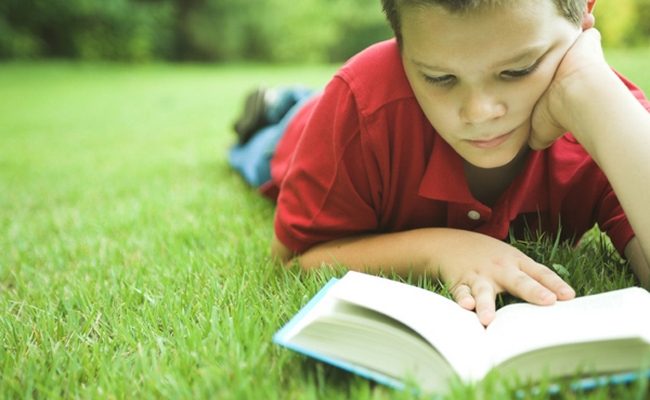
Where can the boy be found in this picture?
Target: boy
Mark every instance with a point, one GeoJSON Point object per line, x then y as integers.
{"type": "Point", "coordinates": [423, 152]}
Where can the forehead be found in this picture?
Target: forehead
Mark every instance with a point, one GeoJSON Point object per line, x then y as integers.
{"type": "Point", "coordinates": [462, 6]}
{"type": "Point", "coordinates": [433, 32]}
{"type": "Point", "coordinates": [470, 6]}
{"type": "Point", "coordinates": [538, 11]}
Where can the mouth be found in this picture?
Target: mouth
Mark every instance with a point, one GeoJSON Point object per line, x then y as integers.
{"type": "Point", "coordinates": [493, 142]}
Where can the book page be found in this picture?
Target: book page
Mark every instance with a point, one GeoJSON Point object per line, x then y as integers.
{"type": "Point", "coordinates": [381, 345]}
{"type": "Point", "coordinates": [520, 328]}
{"type": "Point", "coordinates": [455, 332]}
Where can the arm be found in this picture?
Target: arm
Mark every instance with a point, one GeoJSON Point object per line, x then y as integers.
{"type": "Point", "coordinates": [589, 100]}
{"type": "Point", "coordinates": [475, 266]}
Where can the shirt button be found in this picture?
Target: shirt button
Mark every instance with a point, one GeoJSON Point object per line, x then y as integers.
{"type": "Point", "coordinates": [474, 215]}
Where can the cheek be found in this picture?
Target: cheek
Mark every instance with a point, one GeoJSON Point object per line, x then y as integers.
{"type": "Point", "coordinates": [528, 93]}
{"type": "Point", "coordinates": [435, 106]}
{"type": "Point", "coordinates": [440, 113]}
{"type": "Point", "coordinates": [540, 81]}
{"type": "Point", "coordinates": [436, 110]}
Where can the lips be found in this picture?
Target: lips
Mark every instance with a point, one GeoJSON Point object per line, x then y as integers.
{"type": "Point", "coordinates": [491, 143]}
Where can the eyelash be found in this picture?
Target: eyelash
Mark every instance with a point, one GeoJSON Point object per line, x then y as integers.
{"type": "Point", "coordinates": [442, 81]}
{"type": "Point", "coordinates": [520, 73]}
{"type": "Point", "coordinates": [511, 75]}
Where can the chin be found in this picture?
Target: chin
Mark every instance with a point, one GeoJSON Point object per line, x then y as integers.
{"type": "Point", "coordinates": [493, 161]}
{"type": "Point", "coordinates": [490, 164]}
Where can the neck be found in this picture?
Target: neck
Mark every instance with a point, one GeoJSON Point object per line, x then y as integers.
{"type": "Point", "coordinates": [488, 184]}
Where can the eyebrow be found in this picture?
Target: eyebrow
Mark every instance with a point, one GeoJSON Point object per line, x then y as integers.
{"type": "Point", "coordinates": [524, 55]}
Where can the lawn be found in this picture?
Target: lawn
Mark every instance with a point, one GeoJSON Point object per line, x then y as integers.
{"type": "Point", "coordinates": [134, 262]}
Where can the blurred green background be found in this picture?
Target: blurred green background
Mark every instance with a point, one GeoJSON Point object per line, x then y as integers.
{"type": "Point", "coordinates": [227, 30]}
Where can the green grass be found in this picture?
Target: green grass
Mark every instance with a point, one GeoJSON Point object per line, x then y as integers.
{"type": "Point", "coordinates": [134, 262]}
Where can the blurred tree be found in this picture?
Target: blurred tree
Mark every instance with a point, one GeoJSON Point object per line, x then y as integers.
{"type": "Point", "coordinates": [226, 30]}
{"type": "Point", "coordinates": [642, 31]}
{"type": "Point", "coordinates": [122, 30]}
{"type": "Point", "coordinates": [17, 43]}
{"type": "Point", "coordinates": [86, 29]}
{"type": "Point", "coordinates": [29, 29]}
{"type": "Point", "coordinates": [358, 27]}
{"type": "Point", "coordinates": [183, 43]}
{"type": "Point", "coordinates": [302, 31]}
{"type": "Point", "coordinates": [281, 30]}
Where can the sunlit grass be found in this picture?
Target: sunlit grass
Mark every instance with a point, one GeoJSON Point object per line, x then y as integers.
{"type": "Point", "coordinates": [133, 261]}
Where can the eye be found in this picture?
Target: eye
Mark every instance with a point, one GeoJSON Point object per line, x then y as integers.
{"type": "Point", "coordinates": [519, 73]}
{"type": "Point", "coordinates": [442, 81]}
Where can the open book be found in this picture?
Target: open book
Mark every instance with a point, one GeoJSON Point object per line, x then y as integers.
{"type": "Point", "coordinates": [393, 332]}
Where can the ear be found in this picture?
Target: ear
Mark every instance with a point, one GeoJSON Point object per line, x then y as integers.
{"type": "Point", "coordinates": [590, 5]}
{"type": "Point", "coordinates": [588, 19]}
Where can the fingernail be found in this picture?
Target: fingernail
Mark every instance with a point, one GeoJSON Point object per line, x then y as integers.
{"type": "Point", "coordinates": [485, 316]}
{"type": "Point", "coordinates": [548, 297]}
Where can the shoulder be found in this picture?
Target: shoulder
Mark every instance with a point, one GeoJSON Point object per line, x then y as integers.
{"type": "Point", "coordinates": [567, 151]}
{"type": "Point", "coordinates": [635, 90]}
{"type": "Point", "coordinates": [567, 161]}
{"type": "Point", "coordinates": [376, 77]}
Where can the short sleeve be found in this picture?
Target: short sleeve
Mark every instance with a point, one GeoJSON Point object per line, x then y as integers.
{"type": "Point", "coordinates": [325, 193]}
{"type": "Point", "coordinates": [612, 220]}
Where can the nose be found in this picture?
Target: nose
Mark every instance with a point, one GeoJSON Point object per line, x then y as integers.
{"type": "Point", "coordinates": [480, 106]}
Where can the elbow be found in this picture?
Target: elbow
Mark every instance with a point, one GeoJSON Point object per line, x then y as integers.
{"type": "Point", "coordinates": [280, 252]}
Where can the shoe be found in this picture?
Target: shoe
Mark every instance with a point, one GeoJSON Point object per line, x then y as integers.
{"type": "Point", "coordinates": [253, 116]}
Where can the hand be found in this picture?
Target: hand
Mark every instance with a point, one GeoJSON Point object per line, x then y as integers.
{"type": "Point", "coordinates": [478, 267]}
{"type": "Point", "coordinates": [553, 114]}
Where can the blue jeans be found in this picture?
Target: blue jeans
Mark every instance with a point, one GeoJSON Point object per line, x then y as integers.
{"type": "Point", "coordinates": [253, 159]}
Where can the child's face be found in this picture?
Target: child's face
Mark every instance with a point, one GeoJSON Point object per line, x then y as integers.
{"type": "Point", "coordinates": [478, 76]}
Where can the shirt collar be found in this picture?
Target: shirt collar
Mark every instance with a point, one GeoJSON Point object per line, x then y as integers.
{"type": "Point", "coordinates": [444, 180]}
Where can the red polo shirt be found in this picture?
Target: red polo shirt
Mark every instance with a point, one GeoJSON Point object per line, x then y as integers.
{"type": "Point", "coordinates": [363, 158]}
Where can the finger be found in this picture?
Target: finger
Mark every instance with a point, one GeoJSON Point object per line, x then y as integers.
{"type": "Point", "coordinates": [522, 285]}
{"type": "Point", "coordinates": [463, 296]}
{"type": "Point", "coordinates": [485, 296]}
{"type": "Point", "coordinates": [549, 279]}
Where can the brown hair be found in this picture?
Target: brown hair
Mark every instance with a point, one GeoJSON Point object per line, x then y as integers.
{"type": "Point", "coordinates": [570, 9]}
